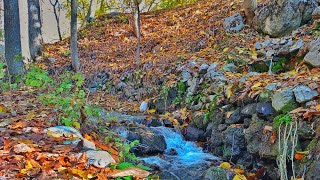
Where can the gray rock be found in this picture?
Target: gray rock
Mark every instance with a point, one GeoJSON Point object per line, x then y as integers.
{"type": "Point", "coordinates": [270, 53]}
{"type": "Point", "coordinates": [265, 109]}
{"type": "Point", "coordinates": [316, 13]}
{"type": "Point", "coordinates": [52, 60]}
{"type": "Point", "coordinates": [193, 85]}
{"type": "Point", "coordinates": [284, 51]}
{"type": "Point", "coordinates": [261, 52]}
{"type": "Point", "coordinates": [313, 58]}
{"type": "Point", "coordinates": [199, 120]}
{"type": "Point", "coordinates": [273, 86]}
{"type": "Point", "coordinates": [150, 143]}
{"type": "Point", "coordinates": [296, 46]}
{"type": "Point", "coordinates": [266, 43]}
{"type": "Point", "coordinates": [230, 67]}
{"type": "Point", "coordinates": [278, 20]}
{"type": "Point", "coordinates": [99, 159]}
{"type": "Point", "coordinates": [234, 142]}
{"type": "Point", "coordinates": [244, 78]}
{"type": "Point", "coordinates": [258, 45]}
{"type": "Point", "coordinates": [305, 131]}
{"type": "Point", "coordinates": [284, 100]}
{"type": "Point", "coordinates": [283, 41]}
{"type": "Point", "coordinates": [233, 23]}
{"type": "Point", "coordinates": [252, 135]}
{"type": "Point", "coordinates": [304, 93]}
{"type": "Point", "coordinates": [121, 85]}
{"type": "Point", "coordinates": [143, 106]}
{"type": "Point", "coordinates": [235, 117]}
{"type": "Point", "coordinates": [213, 67]}
{"type": "Point", "coordinates": [222, 127]}
{"type": "Point", "coordinates": [218, 76]}
{"type": "Point", "coordinates": [265, 96]}
{"type": "Point", "coordinates": [216, 141]}
{"type": "Point", "coordinates": [193, 134]}
{"type": "Point", "coordinates": [186, 75]}
{"type": "Point", "coordinates": [216, 173]}
{"type": "Point", "coordinates": [192, 64]}
{"type": "Point", "coordinates": [249, 109]}
{"type": "Point", "coordinates": [203, 68]}
{"type": "Point", "coordinates": [275, 41]}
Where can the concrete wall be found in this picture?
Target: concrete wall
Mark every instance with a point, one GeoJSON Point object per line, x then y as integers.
{"type": "Point", "coordinates": [49, 25]}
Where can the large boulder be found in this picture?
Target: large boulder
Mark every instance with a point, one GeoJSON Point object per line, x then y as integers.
{"type": "Point", "coordinates": [279, 20]}
{"type": "Point", "coordinates": [150, 144]}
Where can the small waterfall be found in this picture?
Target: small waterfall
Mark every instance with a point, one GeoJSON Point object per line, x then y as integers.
{"type": "Point", "coordinates": [181, 157]}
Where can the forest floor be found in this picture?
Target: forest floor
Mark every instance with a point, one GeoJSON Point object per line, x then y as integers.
{"type": "Point", "coordinates": [169, 38]}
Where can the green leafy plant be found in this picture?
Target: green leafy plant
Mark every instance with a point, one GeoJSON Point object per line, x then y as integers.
{"type": "Point", "coordinates": [38, 77]}
{"type": "Point", "coordinates": [70, 98]}
{"type": "Point", "coordinates": [169, 4]}
{"type": "Point", "coordinates": [282, 118]}
{"type": "Point", "coordinates": [124, 149]}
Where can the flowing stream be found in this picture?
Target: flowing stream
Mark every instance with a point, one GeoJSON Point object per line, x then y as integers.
{"type": "Point", "coordinates": [182, 159]}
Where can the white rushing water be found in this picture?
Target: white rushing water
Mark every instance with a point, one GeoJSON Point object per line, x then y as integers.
{"type": "Point", "coordinates": [187, 153]}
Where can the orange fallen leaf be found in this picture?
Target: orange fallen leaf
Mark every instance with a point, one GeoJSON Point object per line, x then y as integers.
{"type": "Point", "coordinates": [298, 156]}
{"type": "Point", "coordinates": [238, 171]}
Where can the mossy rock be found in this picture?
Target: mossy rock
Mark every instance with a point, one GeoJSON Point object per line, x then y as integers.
{"type": "Point", "coordinates": [216, 173]}
{"type": "Point", "coordinates": [284, 101]}
{"type": "Point", "coordinates": [265, 96]}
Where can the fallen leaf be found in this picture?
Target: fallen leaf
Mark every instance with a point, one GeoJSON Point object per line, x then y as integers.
{"type": "Point", "coordinates": [238, 171]}
{"type": "Point", "coordinates": [225, 165]}
{"type": "Point", "coordinates": [22, 148]}
{"type": "Point", "coordinates": [135, 172]}
{"type": "Point", "coordinates": [298, 156]}
{"type": "Point", "coordinates": [239, 177]}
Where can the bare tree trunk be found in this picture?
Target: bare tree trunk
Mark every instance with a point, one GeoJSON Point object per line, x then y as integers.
{"type": "Point", "coordinates": [137, 29]}
{"type": "Point", "coordinates": [249, 7]}
{"type": "Point", "coordinates": [35, 34]}
{"type": "Point", "coordinates": [87, 18]}
{"type": "Point", "coordinates": [74, 39]}
{"type": "Point", "coordinates": [56, 5]}
{"type": "Point", "coordinates": [12, 38]}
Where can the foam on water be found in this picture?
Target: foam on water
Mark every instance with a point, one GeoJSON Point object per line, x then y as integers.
{"type": "Point", "coordinates": [188, 153]}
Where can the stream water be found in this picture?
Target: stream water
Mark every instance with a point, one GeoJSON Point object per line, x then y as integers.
{"type": "Point", "coordinates": [182, 159]}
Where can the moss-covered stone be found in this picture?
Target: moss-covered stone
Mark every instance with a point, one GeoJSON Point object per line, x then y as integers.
{"type": "Point", "coordinates": [265, 96]}
{"type": "Point", "coordinates": [284, 101]}
{"type": "Point", "coordinates": [216, 173]}
{"type": "Point", "coordinates": [279, 65]}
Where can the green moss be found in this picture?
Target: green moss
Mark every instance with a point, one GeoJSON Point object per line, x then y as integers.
{"type": "Point", "coordinates": [260, 67]}
{"type": "Point", "coordinates": [289, 107]}
{"type": "Point", "coordinates": [265, 96]}
{"type": "Point", "coordinates": [279, 65]}
{"type": "Point", "coordinates": [312, 145]}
